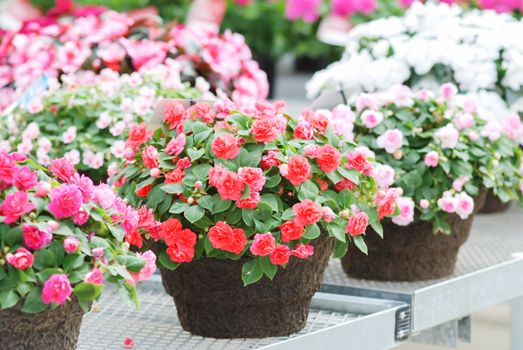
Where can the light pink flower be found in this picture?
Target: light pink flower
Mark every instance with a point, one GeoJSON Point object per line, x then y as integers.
{"type": "Point", "coordinates": [431, 159]}
{"type": "Point", "coordinates": [448, 91]}
{"type": "Point", "coordinates": [371, 118]}
{"type": "Point", "coordinates": [176, 145]}
{"type": "Point", "coordinates": [95, 276]}
{"type": "Point", "coordinates": [56, 289]}
{"type": "Point", "coordinates": [493, 130]}
{"type": "Point", "coordinates": [448, 203]}
{"type": "Point", "coordinates": [391, 140]}
{"type": "Point", "coordinates": [148, 270]}
{"type": "Point", "coordinates": [458, 184]}
{"type": "Point", "coordinates": [384, 176]}
{"type": "Point", "coordinates": [328, 214]}
{"type": "Point", "coordinates": [465, 205]}
{"type": "Point", "coordinates": [448, 136]}
{"type": "Point", "coordinates": [464, 121]}
{"type": "Point", "coordinates": [69, 135]}
{"type": "Point", "coordinates": [71, 244]}
{"type": "Point", "coordinates": [406, 208]}
{"type": "Point", "coordinates": [424, 204]}
{"type": "Point", "coordinates": [104, 120]}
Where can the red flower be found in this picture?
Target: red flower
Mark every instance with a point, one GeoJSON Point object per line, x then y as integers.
{"type": "Point", "coordinates": [168, 229]}
{"type": "Point", "coordinates": [203, 111]}
{"type": "Point", "coordinates": [224, 237]}
{"type": "Point", "coordinates": [357, 224]}
{"type": "Point", "coordinates": [144, 191]}
{"type": "Point", "coordinates": [358, 160]}
{"type": "Point", "coordinates": [138, 134]}
{"type": "Point", "coordinates": [280, 255]}
{"type": "Point", "coordinates": [264, 130]}
{"type": "Point", "coordinates": [230, 186]}
{"type": "Point", "coordinates": [344, 184]}
{"type": "Point", "coordinates": [307, 212]}
{"type": "Point", "coordinates": [249, 203]}
{"type": "Point", "coordinates": [303, 251]}
{"type": "Point", "coordinates": [269, 160]}
{"type": "Point", "coordinates": [182, 247]}
{"type": "Point", "coordinates": [252, 177]}
{"type": "Point", "coordinates": [225, 146]}
{"type": "Point", "coordinates": [324, 185]}
{"type": "Point", "coordinates": [299, 170]}
{"type": "Point", "coordinates": [263, 244]}
{"type": "Point", "coordinates": [174, 114]}
{"type": "Point", "coordinates": [134, 238]}
{"type": "Point", "coordinates": [174, 176]}
{"type": "Point", "coordinates": [291, 230]}
{"type": "Point", "coordinates": [21, 260]}
{"type": "Point", "coordinates": [150, 157]}
{"type": "Point", "coordinates": [128, 343]}
{"type": "Point", "coordinates": [183, 163]}
{"type": "Point", "coordinates": [304, 131]}
{"type": "Point", "coordinates": [328, 158]}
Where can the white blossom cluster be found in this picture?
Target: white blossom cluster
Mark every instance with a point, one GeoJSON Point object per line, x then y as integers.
{"type": "Point", "coordinates": [481, 52]}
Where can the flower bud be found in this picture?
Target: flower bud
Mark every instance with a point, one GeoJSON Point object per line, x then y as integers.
{"type": "Point", "coordinates": [198, 185]}
{"type": "Point", "coordinates": [345, 214]}
{"type": "Point", "coordinates": [155, 173]}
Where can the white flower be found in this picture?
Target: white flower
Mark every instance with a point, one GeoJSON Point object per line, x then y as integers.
{"type": "Point", "coordinates": [448, 136]}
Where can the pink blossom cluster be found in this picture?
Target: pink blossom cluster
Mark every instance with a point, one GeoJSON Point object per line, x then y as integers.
{"type": "Point", "coordinates": [46, 209]}
{"type": "Point", "coordinates": [99, 39]}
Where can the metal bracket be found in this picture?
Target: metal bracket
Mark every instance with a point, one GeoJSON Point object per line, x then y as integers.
{"type": "Point", "coordinates": [403, 318]}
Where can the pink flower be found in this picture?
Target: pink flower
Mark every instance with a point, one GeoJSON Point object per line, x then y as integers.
{"type": "Point", "coordinates": [431, 159]}
{"type": "Point", "coordinates": [308, 10]}
{"type": "Point", "coordinates": [328, 214]}
{"type": "Point", "coordinates": [25, 178]}
{"type": "Point", "coordinates": [71, 244]}
{"type": "Point", "coordinates": [249, 203]}
{"type": "Point", "coordinates": [149, 268]}
{"type": "Point", "coordinates": [56, 289]}
{"type": "Point", "coordinates": [229, 186]}
{"type": "Point", "coordinates": [104, 196]}
{"type": "Point", "coordinates": [406, 208]}
{"type": "Point", "coordinates": [448, 91]}
{"type": "Point", "coordinates": [448, 136]}
{"type": "Point", "coordinates": [447, 203]}
{"type": "Point", "coordinates": [15, 205]}
{"type": "Point", "coordinates": [307, 212]}
{"type": "Point", "coordinates": [69, 135]}
{"type": "Point", "coordinates": [302, 251]}
{"type": "Point", "coordinates": [328, 158]}
{"type": "Point", "coordinates": [252, 177]}
{"type": "Point", "coordinates": [263, 244]}
{"type": "Point", "coordinates": [311, 151]}
{"type": "Point", "coordinates": [34, 238]}
{"type": "Point", "coordinates": [176, 145]}
{"type": "Point", "coordinates": [304, 131]}
{"type": "Point", "coordinates": [85, 185]}
{"type": "Point", "coordinates": [465, 205]}
{"type": "Point", "coordinates": [95, 276]}
{"type": "Point", "coordinates": [344, 8]}
{"type": "Point", "coordinates": [81, 217]}
{"type": "Point", "coordinates": [458, 184]}
{"type": "Point", "coordinates": [384, 176]}
{"type": "Point", "coordinates": [391, 140]}
{"type": "Point", "coordinates": [298, 170]}
{"type": "Point", "coordinates": [464, 121]}
{"type": "Point", "coordinates": [225, 146]}
{"type": "Point", "coordinates": [66, 201]}
{"type": "Point", "coordinates": [424, 204]}
{"type": "Point", "coordinates": [43, 189]}
{"type": "Point", "coordinates": [62, 169]}
{"type": "Point", "coordinates": [358, 159]}
{"type": "Point", "coordinates": [7, 168]}
{"type": "Point", "coordinates": [371, 118]}
{"type": "Point", "coordinates": [21, 260]}
{"type": "Point", "coordinates": [145, 53]}
{"type": "Point", "coordinates": [150, 157]}
{"type": "Point", "coordinates": [265, 130]}
{"type": "Point", "coordinates": [357, 224]}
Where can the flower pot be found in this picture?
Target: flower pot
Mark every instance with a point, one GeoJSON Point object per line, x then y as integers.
{"type": "Point", "coordinates": [411, 253]}
{"type": "Point", "coordinates": [212, 301]}
{"type": "Point", "coordinates": [48, 330]}
{"type": "Point", "coordinates": [493, 204]}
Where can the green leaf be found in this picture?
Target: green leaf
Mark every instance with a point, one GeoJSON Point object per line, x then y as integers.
{"type": "Point", "coordinates": [117, 231]}
{"type": "Point", "coordinates": [206, 202]}
{"type": "Point", "coordinates": [176, 188]}
{"type": "Point", "coordinates": [87, 291]}
{"type": "Point", "coordinates": [308, 190]}
{"type": "Point", "coordinates": [334, 176]}
{"type": "Point", "coordinates": [194, 213]}
{"type": "Point", "coordinates": [155, 197]}
{"type": "Point", "coordinates": [73, 261]}
{"type": "Point", "coordinates": [248, 216]}
{"type": "Point", "coordinates": [251, 272]}
{"type": "Point", "coordinates": [267, 267]}
{"type": "Point", "coordinates": [33, 302]}
{"type": "Point", "coordinates": [166, 261]}
{"type": "Point", "coordinates": [220, 205]}
{"type": "Point", "coordinates": [195, 154]}
{"type": "Point", "coordinates": [351, 174]}
{"type": "Point", "coordinates": [274, 201]}
{"type": "Point", "coordinates": [312, 232]}
{"type": "Point", "coordinates": [8, 299]}
{"type": "Point", "coordinates": [234, 216]}
{"type": "Point", "coordinates": [201, 171]}
{"type": "Point", "coordinates": [376, 226]}
{"type": "Point", "coordinates": [43, 258]}
{"type": "Point", "coordinates": [360, 243]}
{"type": "Point", "coordinates": [345, 198]}
{"type": "Point", "coordinates": [132, 263]}
{"type": "Point", "coordinates": [178, 207]}
{"type": "Point", "coordinates": [336, 229]}
{"type": "Point", "coordinates": [340, 249]}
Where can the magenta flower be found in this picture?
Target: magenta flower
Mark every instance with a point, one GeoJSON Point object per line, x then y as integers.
{"type": "Point", "coordinates": [304, 9]}
{"type": "Point", "coordinates": [56, 289]}
{"type": "Point", "coordinates": [66, 201]}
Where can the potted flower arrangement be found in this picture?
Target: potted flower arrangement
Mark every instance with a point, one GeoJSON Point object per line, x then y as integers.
{"type": "Point", "coordinates": [443, 157]}
{"type": "Point", "coordinates": [101, 38]}
{"type": "Point", "coordinates": [419, 50]}
{"type": "Point", "coordinates": [87, 117]}
{"type": "Point", "coordinates": [62, 237]}
{"type": "Point", "coordinates": [244, 210]}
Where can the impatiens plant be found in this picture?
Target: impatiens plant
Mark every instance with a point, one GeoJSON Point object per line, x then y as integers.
{"type": "Point", "coordinates": [86, 118]}
{"type": "Point", "coordinates": [62, 237]}
{"type": "Point", "coordinates": [96, 38]}
{"type": "Point", "coordinates": [212, 182]}
{"type": "Point", "coordinates": [439, 152]}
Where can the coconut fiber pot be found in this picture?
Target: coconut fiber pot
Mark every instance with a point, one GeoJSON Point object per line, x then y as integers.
{"type": "Point", "coordinates": [493, 204]}
{"type": "Point", "coordinates": [48, 330]}
{"type": "Point", "coordinates": [212, 302]}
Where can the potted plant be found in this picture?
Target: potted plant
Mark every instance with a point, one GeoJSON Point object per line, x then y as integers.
{"type": "Point", "coordinates": [443, 157]}
{"type": "Point", "coordinates": [62, 237]}
{"type": "Point", "coordinates": [417, 50]}
{"type": "Point", "coordinates": [87, 117]}
{"type": "Point", "coordinates": [244, 211]}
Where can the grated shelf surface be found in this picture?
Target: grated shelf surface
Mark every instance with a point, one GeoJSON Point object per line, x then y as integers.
{"type": "Point", "coordinates": [494, 239]}
{"type": "Point", "coordinates": [154, 325]}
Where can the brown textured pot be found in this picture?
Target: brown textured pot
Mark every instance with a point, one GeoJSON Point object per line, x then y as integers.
{"type": "Point", "coordinates": [211, 300]}
{"type": "Point", "coordinates": [410, 253]}
{"type": "Point", "coordinates": [48, 330]}
{"type": "Point", "coordinates": [493, 204]}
